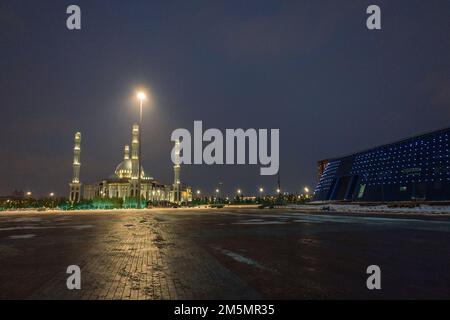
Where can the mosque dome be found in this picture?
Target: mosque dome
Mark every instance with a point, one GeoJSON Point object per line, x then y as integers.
{"type": "Point", "coordinates": [125, 168]}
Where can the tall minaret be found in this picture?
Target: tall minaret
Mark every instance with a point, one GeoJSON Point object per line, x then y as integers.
{"type": "Point", "coordinates": [75, 185]}
{"type": "Point", "coordinates": [176, 174]}
{"type": "Point", "coordinates": [135, 153]}
{"type": "Point", "coordinates": [134, 183]}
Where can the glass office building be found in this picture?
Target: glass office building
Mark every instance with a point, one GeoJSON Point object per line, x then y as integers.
{"type": "Point", "coordinates": [416, 168]}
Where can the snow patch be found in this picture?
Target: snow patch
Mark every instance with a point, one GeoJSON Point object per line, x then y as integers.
{"type": "Point", "coordinates": [259, 222]}
{"type": "Point", "coordinates": [423, 208]}
{"type": "Point", "coordinates": [77, 227]}
{"type": "Point", "coordinates": [240, 258]}
{"type": "Point", "coordinates": [81, 227]}
{"type": "Point", "coordinates": [27, 219]}
{"type": "Point", "coordinates": [22, 236]}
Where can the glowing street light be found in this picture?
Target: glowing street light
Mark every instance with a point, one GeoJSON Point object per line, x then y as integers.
{"type": "Point", "coordinates": [216, 199]}
{"type": "Point", "coordinates": [238, 191]}
{"type": "Point", "coordinates": [306, 191]}
{"type": "Point", "coordinates": [51, 197]}
{"type": "Point", "coordinates": [261, 190]}
{"type": "Point", "coordinates": [29, 193]}
{"type": "Point", "coordinates": [141, 97]}
{"type": "Point", "coordinates": [198, 192]}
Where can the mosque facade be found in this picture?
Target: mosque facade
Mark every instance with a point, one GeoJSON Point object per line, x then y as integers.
{"type": "Point", "coordinates": [124, 182]}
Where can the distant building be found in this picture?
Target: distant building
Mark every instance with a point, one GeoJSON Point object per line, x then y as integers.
{"type": "Point", "coordinates": [321, 165]}
{"type": "Point", "coordinates": [416, 168]}
{"type": "Point", "coordinates": [123, 183]}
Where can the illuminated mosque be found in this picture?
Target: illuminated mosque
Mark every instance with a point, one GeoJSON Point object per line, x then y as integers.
{"type": "Point", "coordinates": [124, 183]}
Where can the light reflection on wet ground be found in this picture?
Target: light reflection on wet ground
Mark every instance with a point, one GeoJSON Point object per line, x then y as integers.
{"type": "Point", "coordinates": [222, 254]}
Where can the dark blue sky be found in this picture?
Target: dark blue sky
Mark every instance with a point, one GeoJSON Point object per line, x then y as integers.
{"type": "Point", "coordinates": [309, 68]}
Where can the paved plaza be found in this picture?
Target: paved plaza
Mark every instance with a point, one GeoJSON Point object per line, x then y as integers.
{"type": "Point", "coordinates": [227, 253]}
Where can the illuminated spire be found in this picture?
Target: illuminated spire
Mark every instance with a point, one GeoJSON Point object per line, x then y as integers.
{"type": "Point", "coordinates": [176, 174]}
{"type": "Point", "coordinates": [76, 158]}
{"type": "Point", "coordinates": [75, 185]}
{"type": "Point", "coordinates": [135, 152]}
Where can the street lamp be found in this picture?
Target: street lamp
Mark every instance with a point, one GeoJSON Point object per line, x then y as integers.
{"type": "Point", "coordinates": [278, 190]}
{"type": "Point", "coordinates": [141, 97]}
{"type": "Point", "coordinates": [238, 191]}
{"type": "Point", "coordinates": [217, 195]}
{"type": "Point", "coordinates": [306, 191]}
{"type": "Point", "coordinates": [51, 197]}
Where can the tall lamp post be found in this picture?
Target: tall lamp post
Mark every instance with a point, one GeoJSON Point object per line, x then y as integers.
{"type": "Point", "coordinates": [261, 196]}
{"type": "Point", "coordinates": [52, 194]}
{"type": "Point", "coordinates": [141, 96]}
{"type": "Point", "coordinates": [217, 197]}
{"type": "Point", "coordinates": [306, 192]}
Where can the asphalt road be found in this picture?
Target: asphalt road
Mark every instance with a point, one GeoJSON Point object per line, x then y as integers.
{"type": "Point", "coordinates": [222, 254]}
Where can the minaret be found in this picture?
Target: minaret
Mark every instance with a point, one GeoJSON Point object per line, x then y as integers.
{"type": "Point", "coordinates": [176, 174]}
{"type": "Point", "coordinates": [134, 161]}
{"type": "Point", "coordinates": [75, 185]}
{"type": "Point", "coordinates": [135, 153]}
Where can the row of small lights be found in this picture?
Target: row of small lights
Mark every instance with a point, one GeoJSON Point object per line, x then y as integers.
{"type": "Point", "coordinates": [239, 191]}
{"type": "Point", "coordinates": [261, 190]}
{"type": "Point", "coordinates": [29, 193]}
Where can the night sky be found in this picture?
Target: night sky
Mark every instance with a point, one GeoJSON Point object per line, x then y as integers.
{"type": "Point", "coordinates": [310, 68]}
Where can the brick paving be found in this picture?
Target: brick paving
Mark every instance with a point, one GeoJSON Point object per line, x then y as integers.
{"type": "Point", "coordinates": [219, 254]}
{"type": "Point", "coordinates": [140, 259]}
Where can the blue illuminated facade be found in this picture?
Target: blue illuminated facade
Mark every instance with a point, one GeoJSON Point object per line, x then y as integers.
{"type": "Point", "coordinates": [417, 168]}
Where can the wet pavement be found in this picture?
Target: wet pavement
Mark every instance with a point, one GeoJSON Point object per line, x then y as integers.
{"type": "Point", "coordinates": [222, 254]}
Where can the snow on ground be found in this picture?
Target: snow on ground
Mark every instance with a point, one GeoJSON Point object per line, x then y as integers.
{"type": "Point", "coordinates": [22, 236]}
{"type": "Point", "coordinates": [258, 222]}
{"type": "Point", "coordinates": [312, 208]}
{"type": "Point", "coordinates": [240, 258]}
{"type": "Point", "coordinates": [356, 208]}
